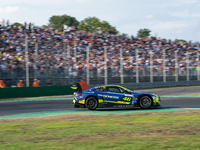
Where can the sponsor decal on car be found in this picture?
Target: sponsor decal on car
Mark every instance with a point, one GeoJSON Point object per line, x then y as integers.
{"type": "Point", "coordinates": [127, 98]}
{"type": "Point", "coordinates": [108, 96]}
{"type": "Point", "coordinates": [130, 95]}
{"type": "Point", "coordinates": [89, 92]}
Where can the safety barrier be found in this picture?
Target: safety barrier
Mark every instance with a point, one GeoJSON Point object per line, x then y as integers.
{"type": "Point", "coordinates": [35, 91]}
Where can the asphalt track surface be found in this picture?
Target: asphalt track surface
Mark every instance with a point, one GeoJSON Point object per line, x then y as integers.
{"type": "Point", "coordinates": [172, 98]}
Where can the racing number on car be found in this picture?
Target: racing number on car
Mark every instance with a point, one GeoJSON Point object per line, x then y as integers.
{"type": "Point", "coordinates": [127, 99]}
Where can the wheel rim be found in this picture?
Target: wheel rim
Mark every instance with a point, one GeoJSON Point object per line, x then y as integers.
{"type": "Point", "coordinates": [145, 102]}
{"type": "Point", "coordinates": [91, 103]}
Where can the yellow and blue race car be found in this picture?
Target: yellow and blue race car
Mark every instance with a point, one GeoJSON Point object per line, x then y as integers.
{"type": "Point", "coordinates": [112, 96]}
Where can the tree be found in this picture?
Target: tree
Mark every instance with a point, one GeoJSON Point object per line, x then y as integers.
{"type": "Point", "coordinates": [107, 28]}
{"type": "Point", "coordinates": [59, 21]}
{"type": "Point", "coordinates": [180, 40]}
{"type": "Point", "coordinates": [93, 24]}
{"type": "Point", "coordinates": [44, 26]}
{"type": "Point", "coordinates": [143, 33]}
{"type": "Point", "coordinates": [17, 24]}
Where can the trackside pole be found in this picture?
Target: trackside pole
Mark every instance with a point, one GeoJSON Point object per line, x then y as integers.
{"type": "Point", "coordinates": [151, 67]}
{"type": "Point", "coordinates": [36, 57]}
{"type": "Point", "coordinates": [164, 72]}
{"type": "Point", "coordinates": [188, 76]}
{"type": "Point", "coordinates": [52, 57]}
{"type": "Point", "coordinates": [198, 67]}
{"type": "Point", "coordinates": [68, 58]}
{"type": "Point", "coordinates": [176, 67]}
{"type": "Point", "coordinates": [27, 67]}
{"type": "Point", "coordinates": [65, 59]}
{"type": "Point", "coordinates": [75, 53]}
{"type": "Point", "coordinates": [137, 73]}
{"type": "Point", "coordinates": [88, 73]}
{"type": "Point", "coordinates": [105, 67]}
{"type": "Point", "coordinates": [121, 67]}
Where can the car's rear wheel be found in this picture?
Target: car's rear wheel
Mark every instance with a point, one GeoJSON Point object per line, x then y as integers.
{"type": "Point", "coordinates": [145, 102]}
{"type": "Point", "coordinates": [91, 103]}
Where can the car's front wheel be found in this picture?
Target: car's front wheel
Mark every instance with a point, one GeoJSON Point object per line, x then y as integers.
{"type": "Point", "coordinates": [145, 102]}
{"type": "Point", "coordinates": [91, 103]}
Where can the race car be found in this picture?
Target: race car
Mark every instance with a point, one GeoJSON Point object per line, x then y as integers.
{"type": "Point", "coordinates": [112, 96]}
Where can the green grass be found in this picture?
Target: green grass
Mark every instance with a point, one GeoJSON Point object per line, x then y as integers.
{"type": "Point", "coordinates": [161, 130]}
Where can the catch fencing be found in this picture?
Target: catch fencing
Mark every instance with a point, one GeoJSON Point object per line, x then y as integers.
{"type": "Point", "coordinates": [69, 62]}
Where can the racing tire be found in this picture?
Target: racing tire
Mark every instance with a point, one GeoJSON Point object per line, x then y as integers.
{"type": "Point", "coordinates": [145, 102]}
{"type": "Point", "coordinates": [91, 103]}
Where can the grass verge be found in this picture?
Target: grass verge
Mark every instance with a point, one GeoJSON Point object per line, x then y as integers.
{"type": "Point", "coordinates": [163, 130]}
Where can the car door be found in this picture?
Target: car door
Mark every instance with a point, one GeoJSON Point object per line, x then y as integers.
{"type": "Point", "coordinates": [128, 97]}
{"type": "Point", "coordinates": [101, 93]}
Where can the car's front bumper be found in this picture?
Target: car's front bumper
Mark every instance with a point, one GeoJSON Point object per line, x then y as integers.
{"type": "Point", "coordinates": [156, 100]}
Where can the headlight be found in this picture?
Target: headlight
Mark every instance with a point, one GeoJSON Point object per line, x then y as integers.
{"type": "Point", "coordinates": [74, 101]}
{"type": "Point", "coordinates": [154, 96]}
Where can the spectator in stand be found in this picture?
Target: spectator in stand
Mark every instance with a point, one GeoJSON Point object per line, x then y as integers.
{"type": "Point", "coordinates": [49, 82]}
{"type": "Point", "coordinates": [36, 83]}
{"type": "Point", "coordinates": [20, 83]}
{"type": "Point", "coordinates": [2, 84]}
{"type": "Point", "coordinates": [48, 58]}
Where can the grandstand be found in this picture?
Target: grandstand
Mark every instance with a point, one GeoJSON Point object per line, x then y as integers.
{"type": "Point", "coordinates": [63, 58]}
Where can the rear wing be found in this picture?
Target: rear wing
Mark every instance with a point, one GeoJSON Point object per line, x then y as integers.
{"type": "Point", "coordinates": [76, 87]}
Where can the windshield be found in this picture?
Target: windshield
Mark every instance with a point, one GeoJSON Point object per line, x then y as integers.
{"type": "Point", "coordinates": [127, 89]}
{"type": "Point", "coordinates": [111, 88]}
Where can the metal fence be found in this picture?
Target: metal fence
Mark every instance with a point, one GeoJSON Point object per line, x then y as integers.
{"type": "Point", "coordinates": [64, 63]}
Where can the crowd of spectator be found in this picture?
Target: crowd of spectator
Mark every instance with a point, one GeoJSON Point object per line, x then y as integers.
{"type": "Point", "coordinates": [51, 57]}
